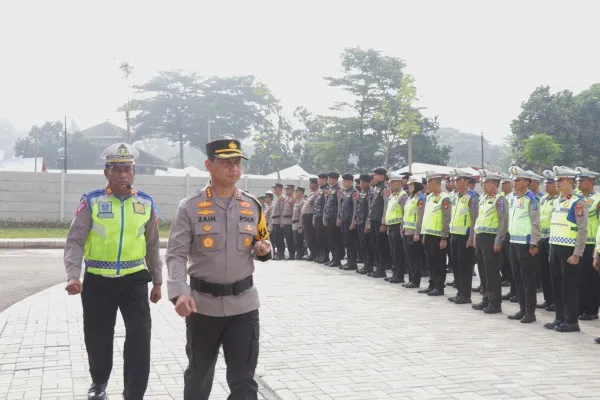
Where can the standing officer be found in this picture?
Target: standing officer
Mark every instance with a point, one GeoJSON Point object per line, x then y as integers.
{"type": "Point", "coordinates": [435, 230]}
{"type": "Point", "coordinates": [462, 234]}
{"type": "Point", "coordinates": [330, 219]}
{"type": "Point", "coordinates": [452, 194]}
{"type": "Point", "coordinates": [546, 207]}
{"type": "Point", "coordinates": [286, 220]}
{"type": "Point", "coordinates": [212, 238]}
{"type": "Point", "coordinates": [320, 228]}
{"type": "Point", "coordinates": [490, 230]}
{"type": "Point", "coordinates": [597, 264]}
{"type": "Point", "coordinates": [534, 186]}
{"type": "Point", "coordinates": [525, 233]}
{"type": "Point", "coordinates": [590, 280]}
{"type": "Point", "coordinates": [411, 227]}
{"type": "Point", "coordinates": [115, 233]}
{"type": "Point", "coordinates": [507, 276]}
{"type": "Point", "coordinates": [375, 223]}
{"type": "Point", "coordinates": [568, 234]}
{"type": "Point", "coordinates": [393, 216]}
{"type": "Point", "coordinates": [305, 226]}
{"type": "Point", "coordinates": [268, 209]}
{"type": "Point", "coordinates": [276, 222]}
{"type": "Point", "coordinates": [362, 213]}
{"type": "Point", "coordinates": [296, 214]}
{"type": "Point", "coordinates": [347, 219]}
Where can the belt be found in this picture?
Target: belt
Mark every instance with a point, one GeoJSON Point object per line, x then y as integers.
{"type": "Point", "coordinates": [218, 290]}
{"type": "Point", "coordinates": [287, 216]}
{"type": "Point", "coordinates": [295, 220]}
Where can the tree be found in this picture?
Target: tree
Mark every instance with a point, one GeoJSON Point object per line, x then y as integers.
{"type": "Point", "coordinates": [541, 151]}
{"type": "Point", "coordinates": [463, 152]}
{"type": "Point", "coordinates": [126, 71]}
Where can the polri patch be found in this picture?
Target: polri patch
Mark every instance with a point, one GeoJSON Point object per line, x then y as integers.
{"type": "Point", "coordinates": [139, 208]}
{"type": "Point", "coordinates": [105, 209]}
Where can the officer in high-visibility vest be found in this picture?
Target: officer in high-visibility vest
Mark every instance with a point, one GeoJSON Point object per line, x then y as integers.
{"type": "Point", "coordinates": [524, 229]}
{"type": "Point", "coordinates": [393, 216]}
{"type": "Point", "coordinates": [452, 194]}
{"type": "Point", "coordinates": [536, 181]}
{"type": "Point", "coordinates": [589, 293]}
{"type": "Point", "coordinates": [546, 207]}
{"type": "Point", "coordinates": [568, 234]}
{"type": "Point", "coordinates": [462, 233]}
{"type": "Point", "coordinates": [411, 229]}
{"type": "Point", "coordinates": [507, 276]}
{"type": "Point", "coordinates": [115, 234]}
{"type": "Point", "coordinates": [490, 230]}
{"type": "Point", "coordinates": [435, 230]}
{"type": "Point", "coordinates": [597, 264]}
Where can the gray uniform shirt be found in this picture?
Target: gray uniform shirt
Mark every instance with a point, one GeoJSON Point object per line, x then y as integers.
{"type": "Point", "coordinates": [214, 243]}
{"type": "Point", "coordinates": [288, 210]}
{"type": "Point", "coordinates": [296, 215]}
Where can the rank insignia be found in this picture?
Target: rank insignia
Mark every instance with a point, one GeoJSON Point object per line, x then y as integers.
{"type": "Point", "coordinates": [247, 242]}
{"type": "Point", "coordinates": [245, 204]}
{"type": "Point", "coordinates": [246, 212]}
{"type": "Point", "coordinates": [139, 208]}
{"type": "Point", "coordinates": [249, 228]}
{"type": "Point", "coordinates": [207, 228]}
{"type": "Point", "coordinates": [208, 242]}
{"type": "Point", "coordinates": [205, 212]}
{"type": "Point", "coordinates": [204, 204]}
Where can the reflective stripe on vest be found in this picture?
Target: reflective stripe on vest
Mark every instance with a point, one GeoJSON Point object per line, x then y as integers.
{"type": "Point", "coordinates": [487, 220]}
{"type": "Point", "coordinates": [461, 214]}
{"type": "Point", "coordinates": [546, 205]}
{"type": "Point", "coordinates": [562, 231]}
{"type": "Point", "coordinates": [432, 217]}
{"type": "Point", "coordinates": [393, 213]}
{"type": "Point", "coordinates": [591, 201]}
{"type": "Point", "coordinates": [519, 220]}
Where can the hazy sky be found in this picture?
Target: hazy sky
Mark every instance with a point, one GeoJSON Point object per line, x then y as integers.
{"type": "Point", "coordinates": [474, 61]}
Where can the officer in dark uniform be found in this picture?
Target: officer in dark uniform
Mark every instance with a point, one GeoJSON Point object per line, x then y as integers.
{"type": "Point", "coordinates": [374, 225]}
{"type": "Point", "coordinates": [276, 221]}
{"type": "Point", "coordinates": [347, 218]}
{"type": "Point", "coordinates": [213, 236]}
{"type": "Point", "coordinates": [330, 218]}
{"type": "Point", "coordinates": [320, 229]}
{"type": "Point", "coordinates": [362, 211]}
{"type": "Point", "coordinates": [286, 221]}
{"type": "Point", "coordinates": [305, 225]}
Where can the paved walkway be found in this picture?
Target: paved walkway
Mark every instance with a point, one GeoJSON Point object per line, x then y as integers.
{"type": "Point", "coordinates": [325, 334]}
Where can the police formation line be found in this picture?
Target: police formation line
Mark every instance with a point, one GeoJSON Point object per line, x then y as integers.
{"type": "Point", "coordinates": [515, 234]}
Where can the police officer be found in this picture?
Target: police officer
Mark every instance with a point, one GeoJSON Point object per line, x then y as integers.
{"type": "Point", "coordinates": [268, 208]}
{"type": "Point", "coordinates": [490, 229]}
{"type": "Point", "coordinates": [596, 264]}
{"type": "Point", "coordinates": [330, 220]}
{"type": "Point", "coordinates": [452, 194]}
{"type": "Point", "coordinates": [347, 218]}
{"type": "Point", "coordinates": [507, 276]}
{"type": "Point", "coordinates": [276, 222]}
{"type": "Point", "coordinates": [119, 263]}
{"type": "Point", "coordinates": [568, 235]}
{"type": "Point", "coordinates": [375, 223]}
{"type": "Point", "coordinates": [286, 220]}
{"type": "Point", "coordinates": [393, 217]}
{"type": "Point", "coordinates": [213, 236]}
{"type": "Point", "coordinates": [536, 181]}
{"type": "Point", "coordinates": [320, 229]}
{"type": "Point", "coordinates": [435, 230]}
{"type": "Point", "coordinates": [362, 212]}
{"type": "Point", "coordinates": [411, 228]}
{"type": "Point", "coordinates": [546, 207]}
{"type": "Point", "coordinates": [305, 226]}
{"type": "Point", "coordinates": [525, 234]}
{"type": "Point", "coordinates": [297, 211]}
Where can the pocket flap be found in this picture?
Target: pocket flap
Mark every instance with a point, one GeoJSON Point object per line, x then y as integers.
{"type": "Point", "coordinates": [207, 228]}
{"type": "Point", "coordinates": [247, 228]}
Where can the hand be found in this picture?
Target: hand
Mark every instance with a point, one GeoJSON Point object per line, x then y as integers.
{"type": "Point", "coordinates": [367, 230]}
{"type": "Point", "coordinates": [469, 244]}
{"type": "Point", "coordinates": [338, 223]}
{"type": "Point", "coordinates": [534, 250]}
{"type": "Point", "coordinates": [497, 248]}
{"type": "Point", "coordinates": [382, 228]}
{"type": "Point", "coordinates": [262, 248]}
{"type": "Point", "coordinates": [155, 294]}
{"type": "Point", "coordinates": [324, 223]}
{"type": "Point", "coordinates": [443, 244]}
{"type": "Point", "coordinates": [281, 226]}
{"type": "Point", "coordinates": [573, 260]}
{"type": "Point", "coordinates": [300, 230]}
{"type": "Point", "coordinates": [185, 305]}
{"type": "Point", "coordinates": [596, 263]}
{"type": "Point", "coordinates": [74, 286]}
{"type": "Point", "coordinates": [352, 226]}
{"type": "Point", "coordinates": [416, 237]}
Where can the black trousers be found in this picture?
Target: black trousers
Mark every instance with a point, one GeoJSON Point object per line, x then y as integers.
{"type": "Point", "coordinates": [278, 239]}
{"type": "Point", "coordinates": [397, 249]}
{"type": "Point", "coordinates": [590, 283]}
{"type": "Point", "coordinates": [289, 240]}
{"type": "Point", "coordinates": [351, 243]}
{"type": "Point", "coordinates": [239, 335]}
{"type": "Point", "coordinates": [506, 270]}
{"type": "Point", "coordinates": [101, 297]}
{"type": "Point", "coordinates": [525, 267]}
{"type": "Point", "coordinates": [414, 252]}
{"type": "Point", "coordinates": [298, 244]}
{"type": "Point", "coordinates": [310, 236]}
{"type": "Point", "coordinates": [378, 242]}
{"type": "Point", "coordinates": [322, 244]}
{"type": "Point", "coordinates": [365, 246]}
{"type": "Point", "coordinates": [545, 275]}
{"type": "Point", "coordinates": [463, 265]}
{"type": "Point", "coordinates": [491, 264]}
{"type": "Point", "coordinates": [566, 279]}
{"type": "Point", "coordinates": [436, 259]}
{"type": "Point", "coordinates": [336, 242]}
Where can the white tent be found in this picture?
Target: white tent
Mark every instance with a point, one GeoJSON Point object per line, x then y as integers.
{"type": "Point", "coordinates": [293, 172]}
{"type": "Point", "coordinates": [419, 169]}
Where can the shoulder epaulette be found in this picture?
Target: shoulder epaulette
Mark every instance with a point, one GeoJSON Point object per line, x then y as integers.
{"type": "Point", "coordinates": [253, 197]}
{"type": "Point", "coordinates": [144, 195]}
{"type": "Point", "coordinates": [531, 195]}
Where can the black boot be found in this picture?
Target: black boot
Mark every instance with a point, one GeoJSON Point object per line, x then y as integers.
{"type": "Point", "coordinates": [97, 392]}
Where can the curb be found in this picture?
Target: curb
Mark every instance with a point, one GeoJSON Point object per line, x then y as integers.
{"type": "Point", "coordinates": [45, 243]}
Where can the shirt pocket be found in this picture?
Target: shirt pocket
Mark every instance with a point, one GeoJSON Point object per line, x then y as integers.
{"type": "Point", "coordinates": [246, 235]}
{"type": "Point", "coordinates": [208, 236]}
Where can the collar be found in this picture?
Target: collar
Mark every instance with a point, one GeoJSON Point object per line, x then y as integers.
{"type": "Point", "coordinates": [109, 191]}
{"type": "Point", "coordinates": [210, 193]}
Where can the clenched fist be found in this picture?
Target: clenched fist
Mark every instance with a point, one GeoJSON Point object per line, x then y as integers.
{"type": "Point", "coordinates": [185, 305]}
{"type": "Point", "coordinates": [74, 286]}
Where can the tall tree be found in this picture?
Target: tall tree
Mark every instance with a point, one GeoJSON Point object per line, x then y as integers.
{"type": "Point", "coordinates": [126, 72]}
{"type": "Point", "coordinates": [540, 150]}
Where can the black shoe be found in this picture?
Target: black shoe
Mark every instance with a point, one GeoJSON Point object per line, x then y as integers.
{"type": "Point", "coordinates": [507, 296]}
{"type": "Point", "coordinates": [553, 324]}
{"type": "Point", "coordinates": [492, 310]}
{"type": "Point", "coordinates": [480, 306]}
{"type": "Point", "coordinates": [514, 299]}
{"type": "Point", "coordinates": [387, 278]}
{"type": "Point", "coordinates": [396, 279]}
{"type": "Point", "coordinates": [350, 267]}
{"type": "Point", "coordinates": [551, 308]}
{"type": "Point", "coordinates": [452, 298]}
{"type": "Point", "coordinates": [378, 274]}
{"type": "Point", "coordinates": [567, 328]}
{"type": "Point", "coordinates": [588, 317]}
{"type": "Point", "coordinates": [476, 289]}
{"type": "Point", "coordinates": [528, 318]}
{"type": "Point", "coordinates": [462, 300]}
{"type": "Point", "coordinates": [597, 340]}
{"type": "Point", "coordinates": [328, 263]}
{"type": "Point", "coordinates": [97, 392]}
{"type": "Point", "coordinates": [450, 283]}
{"type": "Point", "coordinates": [412, 285]}
{"type": "Point", "coordinates": [364, 271]}
{"type": "Point", "coordinates": [426, 290]}
{"type": "Point", "coordinates": [505, 284]}
{"type": "Point", "coordinates": [543, 305]}
{"type": "Point", "coordinates": [335, 264]}
{"type": "Point", "coordinates": [436, 292]}
{"type": "Point", "coordinates": [519, 315]}
{"type": "Point", "coordinates": [324, 261]}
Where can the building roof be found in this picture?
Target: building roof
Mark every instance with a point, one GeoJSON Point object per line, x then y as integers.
{"type": "Point", "coordinates": [105, 130]}
{"type": "Point", "coordinates": [23, 164]}
{"type": "Point", "coordinates": [293, 172]}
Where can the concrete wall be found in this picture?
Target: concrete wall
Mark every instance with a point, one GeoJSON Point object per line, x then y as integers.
{"type": "Point", "coordinates": [31, 196]}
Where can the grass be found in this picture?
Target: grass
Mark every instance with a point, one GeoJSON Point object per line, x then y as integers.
{"type": "Point", "coordinates": [45, 233]}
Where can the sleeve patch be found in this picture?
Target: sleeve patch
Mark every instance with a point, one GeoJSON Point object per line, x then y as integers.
{"type": "Point", "coordinates": [445, 203]}
{"type": "Point", "coordinates": [579, 209]}
{"type": "Point", "coordinates": [420, 204]}
{"type": "Point", "coordinates": [354, 195]}
{"type": "Point", "coordinates": [82, 206]}
{"type": "Point", "coordinates": [500, 205]}
{"type": "Point", "coordinates": [387, 192]}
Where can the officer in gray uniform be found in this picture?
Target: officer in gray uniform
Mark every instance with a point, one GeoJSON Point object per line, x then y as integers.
{"type": "Point", "coordinates": [347, 218]}
{"type": "Point", "coordinates": [288, 211]}
{"type": "Point", "coordinates": [306, 226]}
{"type": "Point", "coordinates": [296, 214]}
{"type": "Point", "coordinates": [268, 209]}
{"type": "Point", "coordinates": [362, 211]}
{"type": "Point", "coordinates": [320, 228]}
{"type": "Point", "coordinates": [334, 231]}
{"type": "Point", "coordinates": [278, 234]}
{"type": "Point", "coordinates": [213, 236]}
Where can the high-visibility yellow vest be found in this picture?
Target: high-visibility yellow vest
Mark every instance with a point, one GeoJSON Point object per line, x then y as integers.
{"type": "Point", "coordinates": [411, 211]}
{"type": "Point", "coordinates": [591, 201]}
{"type": "Point", "coordinates": [432, 217]}
{"type": "Point", "coordinates": [116, 243]}
{"type": "Point", "coordinates": [460, 221]}
{"type": "Point", "coordinates": [563, 229]}
{"type": "Point", "coordinates": [487, 219]}
{"type": "Point", "coordinates": [519, 220]}
{"type": "Point", "coordinates": [546, 206]}
{"type": "Point", "coordinates": [394, 211]}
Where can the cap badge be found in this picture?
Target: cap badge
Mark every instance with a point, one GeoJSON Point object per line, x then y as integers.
{"type": "Point", "coordinates": [232, 145]}
{"type": "Point", "coordinates": [122, 151]}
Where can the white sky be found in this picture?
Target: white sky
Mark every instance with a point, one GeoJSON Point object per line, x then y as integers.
{"type": "Point", "coordinates": [474, 61]}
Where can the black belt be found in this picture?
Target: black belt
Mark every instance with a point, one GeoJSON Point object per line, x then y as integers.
{"type": "Point", "coordinates": [295, 220]}
{"type": "Point", "coordinates": [287, 216]}
{"type": "Point", "coordinates": [218, 290]}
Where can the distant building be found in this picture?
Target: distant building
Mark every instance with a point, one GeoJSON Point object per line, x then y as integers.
{"type": "Point", "coordinates": [107, 133]}
{"type": "Point", "coordinates": [23, 165]}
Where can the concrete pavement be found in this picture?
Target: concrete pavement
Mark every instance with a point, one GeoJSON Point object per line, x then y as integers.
{"type": "Point", "coordinates": [325, 334]}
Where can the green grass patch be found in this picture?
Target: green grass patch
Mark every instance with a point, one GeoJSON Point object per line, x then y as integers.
{"type": "Point", "coordinates": [46, 233]}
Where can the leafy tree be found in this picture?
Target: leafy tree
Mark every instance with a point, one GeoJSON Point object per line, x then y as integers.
{"type": "Point", "coordinates": [541, 151]}
{"type": "Point", "coordinates": [466, 150]}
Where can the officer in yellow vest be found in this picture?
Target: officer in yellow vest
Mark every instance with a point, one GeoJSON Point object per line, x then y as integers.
{"type": "Point", "coordinates": [411, 228]}
{"type": "Point", "coordinates": [597, 264]}
{"type": "Point", "coordinates": [568, 234]}
{"type": "Point", "coordinates": [536, 181]}
{"type": "Point", "coordinates": [546, 207]}
{"type": "Point", "coordinates": [524, 229]}
{"type": "Point", "coordinates": [435, 231]}
{"type": "Point", "coordinates": [213, 236]}
{"type": "Point", "coordinates": [115, 234]}
{"type": "Point", "coordinates": [490, 229]}
{"type": "Point", "coordinates": [506, 270]}
{"type": "Point", "coordinates": [590, 281]}
{"type": "Point", "coordinates": [452, 194]}
{"type": "Point", "coordinates": [393, 220]}
{"type": "Point", "coordinates": [462, 233]}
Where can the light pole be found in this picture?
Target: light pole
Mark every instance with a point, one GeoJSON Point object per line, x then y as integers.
{"type": "Point", "coordinates": [208, 123]}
